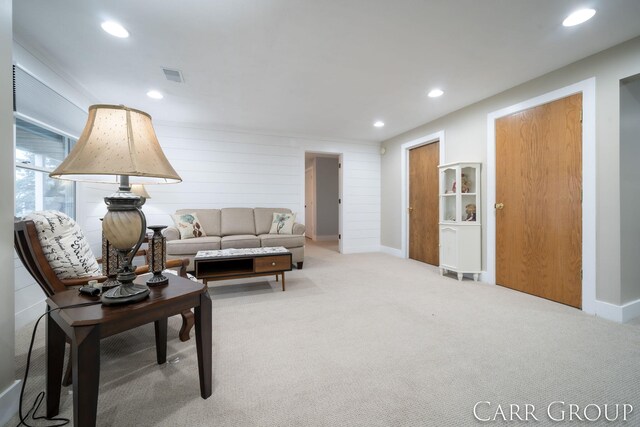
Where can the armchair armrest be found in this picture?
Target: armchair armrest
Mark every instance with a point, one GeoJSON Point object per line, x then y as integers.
{"type": "Point", "coordinates": [182, 263]}
{"type": "Point", "coordinates": [82, 281]}
{"type": "Point", "coordinates": [298, 228]}
{"type": "Point", "coordinates": [171, 233]}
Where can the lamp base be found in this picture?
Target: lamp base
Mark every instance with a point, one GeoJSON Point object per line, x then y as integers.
{"type": "Point", "coordinates": [125, 294]}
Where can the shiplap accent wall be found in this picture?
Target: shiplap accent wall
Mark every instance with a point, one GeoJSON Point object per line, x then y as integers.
{"type": "Point", "coordinates": [241, 169]}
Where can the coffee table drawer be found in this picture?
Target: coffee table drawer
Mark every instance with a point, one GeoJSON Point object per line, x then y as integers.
{"type": "Point", "coordinates": [272, 263]}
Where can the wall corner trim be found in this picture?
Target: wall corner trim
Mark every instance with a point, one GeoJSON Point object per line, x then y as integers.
{"type": "Point", "coordinates": [9, 401]}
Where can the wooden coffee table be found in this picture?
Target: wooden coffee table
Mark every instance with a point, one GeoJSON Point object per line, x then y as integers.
{"type": "Point", "coordinates": [227, 264]}
{"type": "Point", "coordinates": [86, 326]}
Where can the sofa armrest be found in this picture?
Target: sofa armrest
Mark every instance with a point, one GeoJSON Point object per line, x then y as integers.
{"type": "Point", "coordinates": [298, 228]}
{"type": "Point", "coordinates": [171, 233]}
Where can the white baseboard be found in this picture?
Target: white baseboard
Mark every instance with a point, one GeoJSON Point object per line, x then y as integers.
{"type": "Point", "coordinates": [618, 313]}
{"type": "Point", "coordinates": [360, 249]}
{"type": "Point", "coordinates": [391, 251]}
{"type": "Point", "coordinates": [9, 401]}
{"type": "Point", "coordinates": [630, 310]}
{"type": "Point", "coordinates": [327, 237]}
{"type": "Point", "coordinates": [29, 314]}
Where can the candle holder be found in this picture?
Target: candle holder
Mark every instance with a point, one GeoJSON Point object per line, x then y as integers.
{"type": "Point", "coordinates": [157, 255]}
{"type": "Point", "coordinates": [110, 263]}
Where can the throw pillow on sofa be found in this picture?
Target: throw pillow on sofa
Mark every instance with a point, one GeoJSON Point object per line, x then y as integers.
{"type": "Point", "coordinates": [282, 223]}
{"type": "Point", "coordinates": [188, 225]}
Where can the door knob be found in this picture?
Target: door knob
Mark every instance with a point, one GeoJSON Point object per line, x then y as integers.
{"type": "Point", "coordinates": [499, 205]}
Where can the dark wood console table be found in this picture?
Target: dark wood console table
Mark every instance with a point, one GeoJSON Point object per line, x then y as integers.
{"type": "Point", "coordinates": [229, 264]}
{"type": "Point", "coordinates": [87, 325]}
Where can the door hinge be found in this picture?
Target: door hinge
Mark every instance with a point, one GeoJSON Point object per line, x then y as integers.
{"type": "Point", "coordinates": [580, 116]}
{"type": "Point", "coordinates": [339, 236]}
{"type": "Point", "coordinates": [339, 165]}
{"type": "Point", "coordinates": [581, 274]}
{"type": "Point", "coordinates": [339, 201]}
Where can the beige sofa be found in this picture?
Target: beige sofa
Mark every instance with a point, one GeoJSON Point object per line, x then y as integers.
{"type": "Point", "coordinates": [234, 228]}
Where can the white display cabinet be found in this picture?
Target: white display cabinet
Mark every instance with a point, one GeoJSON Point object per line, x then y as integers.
{"type": "Point", "coordinates": [460, 219]}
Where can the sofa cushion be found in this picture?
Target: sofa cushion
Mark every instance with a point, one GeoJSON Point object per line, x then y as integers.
{"type": "Point", "coordinates": [240, 241]}
{"type": "Point", "coordinates": [188, 224]}
{"type": "Point", "coordinates": [235, 221]}
{"type": "Point", "coordinates": [264, 217]}
{"type": "Point", "coordinates": [286, 240]}
{"type": "Point", "coordinates": [209, 219]}
{"type": "Point", "coordinates": [191, 246]}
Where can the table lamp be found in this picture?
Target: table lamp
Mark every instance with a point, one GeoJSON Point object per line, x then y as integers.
{"type": "Point", "coordinates": [140, 191]}
{"type": "Point", "coordinates": [119, 145]}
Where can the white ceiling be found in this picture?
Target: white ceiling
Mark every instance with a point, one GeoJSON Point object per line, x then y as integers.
{"type": "Point", "coordinates": [316, 67]}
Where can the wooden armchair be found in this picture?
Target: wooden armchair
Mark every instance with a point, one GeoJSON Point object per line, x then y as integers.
{"type": "Point", "coordinates": [31, 253]}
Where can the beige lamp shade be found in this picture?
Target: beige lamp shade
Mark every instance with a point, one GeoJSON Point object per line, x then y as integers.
{"type": "Point", "coordinates": [116, 141]}
{"type": "Point", "coordinates": [139, 190]}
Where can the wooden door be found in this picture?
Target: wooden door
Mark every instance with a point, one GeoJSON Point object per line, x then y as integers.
{"type": "Point", "coordinates": [309, 203]}
{"type": "Point", "coordinates": [423, 203]}
{"type": "Point", "coordinates": [539, 182]}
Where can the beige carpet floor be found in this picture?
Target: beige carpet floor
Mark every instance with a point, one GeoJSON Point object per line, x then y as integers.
{"type": "Point", "coordinates": [367, 340]}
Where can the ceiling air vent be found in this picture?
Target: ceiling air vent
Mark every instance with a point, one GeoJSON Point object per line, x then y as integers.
{"type": "Point", "coordinates": [173, 75]}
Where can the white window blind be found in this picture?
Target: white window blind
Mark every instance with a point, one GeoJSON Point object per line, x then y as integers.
{"type": "Point", "coordinates": [35, 100]}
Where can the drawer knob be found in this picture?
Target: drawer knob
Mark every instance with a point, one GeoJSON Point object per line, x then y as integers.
{"type": "Point", "coordinates": [273, 263]}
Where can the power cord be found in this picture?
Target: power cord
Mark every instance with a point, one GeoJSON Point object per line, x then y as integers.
{"type": "Point", "coordinates": [40, 397]}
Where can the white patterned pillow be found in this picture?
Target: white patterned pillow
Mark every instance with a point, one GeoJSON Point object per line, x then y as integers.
{"type": "Point", "coordinates": [64, 245]}
{"type": "Point", "coordinates": [188, 225]}
{"type": "Point", "coordinates": [282, 223]}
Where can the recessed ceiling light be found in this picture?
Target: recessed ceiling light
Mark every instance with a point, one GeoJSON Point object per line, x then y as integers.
{"type": "Point", "coordinates": [115, 29]}
{"type": "Point", "coordinates": [378, 124]}
{"type": "Point", "coordinates": [155, 94]}
{"type": "Point", "coordinates": [578, 17]}
{"type": "Point", "coordinates": [435, 93]}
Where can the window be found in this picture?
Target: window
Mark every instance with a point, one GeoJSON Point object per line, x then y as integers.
{"type": "Point", "coordinates": [38, 152]}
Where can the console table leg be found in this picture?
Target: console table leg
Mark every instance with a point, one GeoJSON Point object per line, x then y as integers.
{"type": "Point", "coordinates": [203, 343]}
{"type": "Point", "coordinates": [55, 342]}
{"type": "Point", "coordinates": [283, 281]}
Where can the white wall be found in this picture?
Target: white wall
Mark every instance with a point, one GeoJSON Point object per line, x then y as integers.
{"type": "Point", "coordinates": [466, 136]}
{"type": "Point", "coordinates": [629, 188]}
{"type": "Point", "coordinates": [327, 183]}
{"type": "Point", "coordinates": [28, 297]}
{"type": "Point", "coordinates": [243, 169]}
{"type": "Point", "coordinates": [7, 340]}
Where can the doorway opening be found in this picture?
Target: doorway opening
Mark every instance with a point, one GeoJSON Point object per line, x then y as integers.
{"type": "Point", "coordinates": [629, 176]}
{"type": "Point", "coordinates": [323, 199]}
